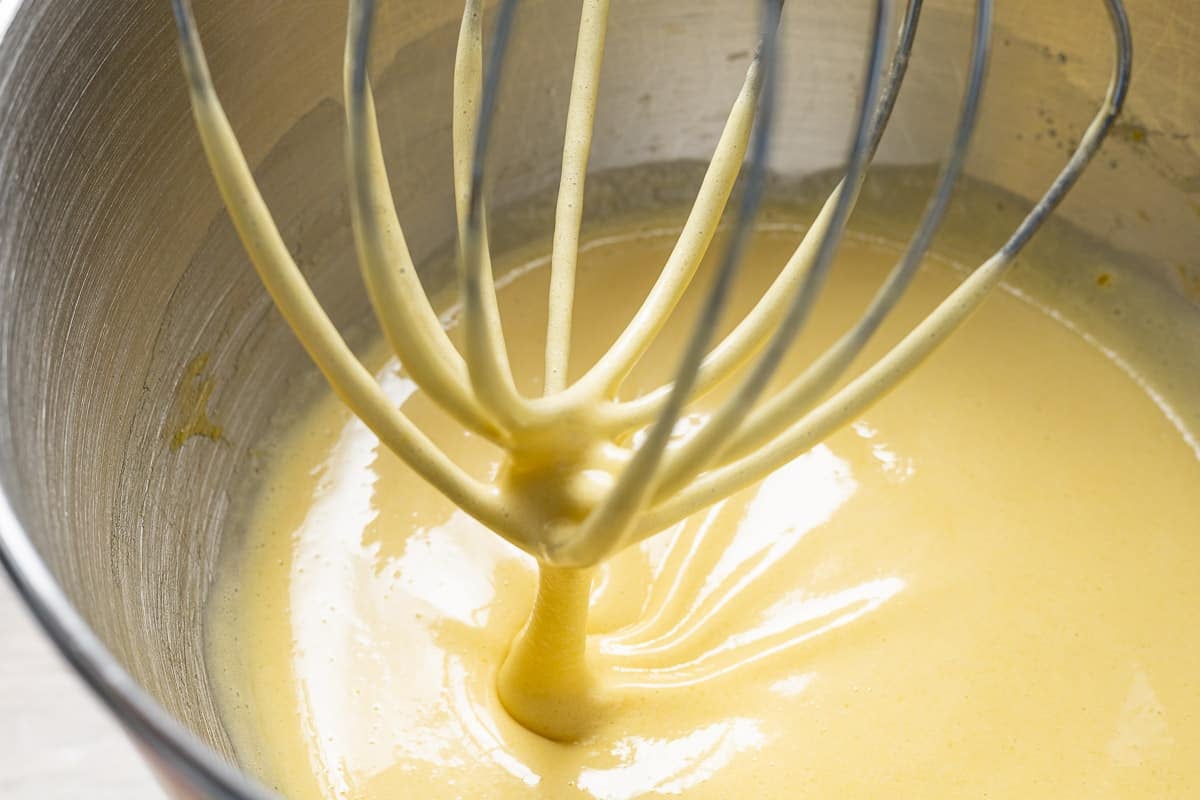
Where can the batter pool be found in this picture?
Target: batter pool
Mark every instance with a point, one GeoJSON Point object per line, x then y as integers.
{"type": "Point", "coordinates": [985, 587]}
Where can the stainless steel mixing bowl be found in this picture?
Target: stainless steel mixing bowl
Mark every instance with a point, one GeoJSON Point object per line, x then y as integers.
{"type": "Point", "coordinates": [140, 359]}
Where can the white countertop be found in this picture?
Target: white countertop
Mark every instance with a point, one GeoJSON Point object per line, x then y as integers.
{"type": "Point", "coordinates": [57, 742]}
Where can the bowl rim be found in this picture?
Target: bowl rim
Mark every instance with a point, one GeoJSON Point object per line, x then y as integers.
{"type": "Point", "coordinates": [174, 752]}
{"type": "Point", "coordinates": [158, 735]}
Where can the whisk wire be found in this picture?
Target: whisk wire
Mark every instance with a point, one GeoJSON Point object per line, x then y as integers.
{"type": "Point", "coordinates": [606, 528]}
{"type": "Point", "coordinates": [482, 323]}
{"type": "Point", "coordinates": [754, 330]}
{"type": "Point", "coordinates": [400, 302]}
{"type": "Point", "coordinates": [810, 385]}
{"type": "Point", "coordinates": [350, 380]}
{"type": "Point", "coordinates": [863, 391]}
{"type": "Point", "coordinates": [604, 378]}
{"type": "Point", "coordinates": [486, 354]}
{"type": "Point", "coordinates": [577, 144]}
{"type": "Point", "coordinates": [698, 451]}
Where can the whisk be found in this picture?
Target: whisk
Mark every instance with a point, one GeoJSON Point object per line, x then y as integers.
{"type": "Point", "coordinates": [578, 484]}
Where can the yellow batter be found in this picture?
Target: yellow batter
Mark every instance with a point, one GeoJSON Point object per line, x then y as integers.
{"type": "Point", "coordinates": [986, 587]}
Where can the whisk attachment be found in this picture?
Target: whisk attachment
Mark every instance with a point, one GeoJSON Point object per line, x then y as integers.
{"type": "Point", "coordinates": [589, 472]}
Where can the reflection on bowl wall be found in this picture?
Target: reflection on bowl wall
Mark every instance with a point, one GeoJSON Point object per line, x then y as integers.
{"type": "Point", "coordinates": [140, 359]}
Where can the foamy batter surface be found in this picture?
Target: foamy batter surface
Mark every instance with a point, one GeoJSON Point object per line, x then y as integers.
{"type": "Point", "coordinates": [986, 587]}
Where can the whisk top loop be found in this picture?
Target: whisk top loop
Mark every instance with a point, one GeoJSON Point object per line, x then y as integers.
{"type": "Point", "coordinates": [587, 472]}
